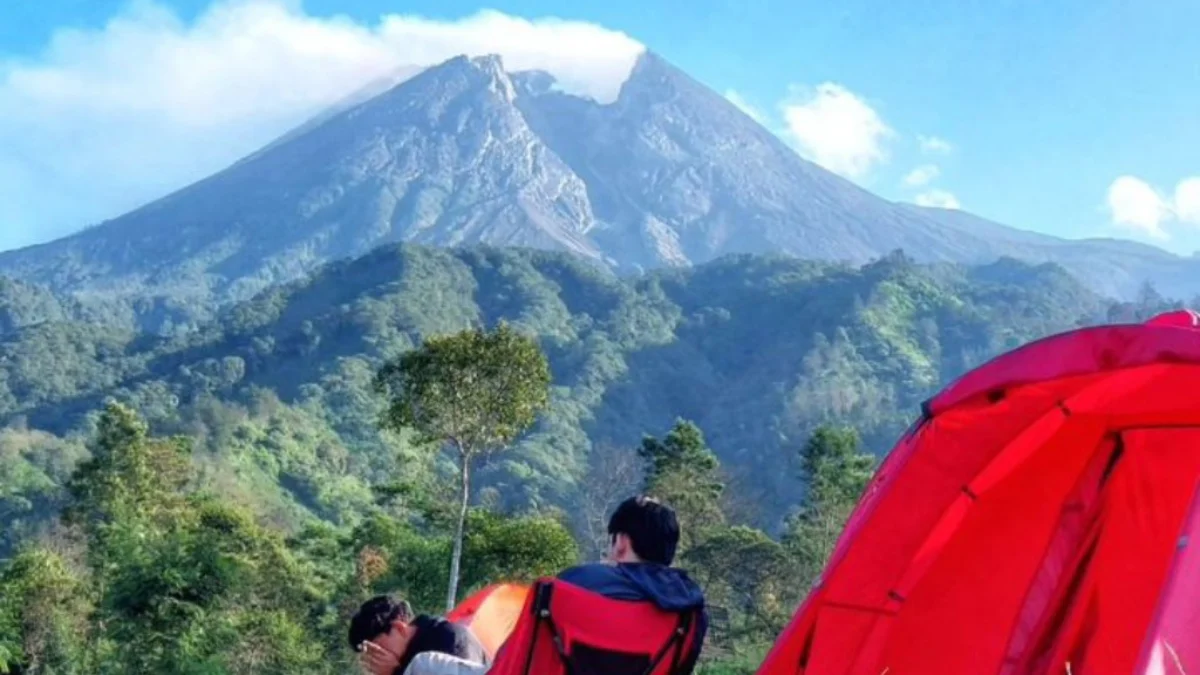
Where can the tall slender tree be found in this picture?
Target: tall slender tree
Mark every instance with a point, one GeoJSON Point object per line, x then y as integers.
{"type": "Point", "coordinates": [836, 470]}
{"type": "Point", "coordinates": [684, 472]}
{"type": "Point", "coordinates": [473, 392]}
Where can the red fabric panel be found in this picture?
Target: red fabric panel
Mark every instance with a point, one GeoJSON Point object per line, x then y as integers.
{"type": "Point", "coordinates": [1051, 429]}
{"type": "Point", "coordinates": [1056, 618]}
{"type": "Point", "coordinates": [971, 595]}
{"type": "Point", "coordinates": [1074, 525]}
{"type": "Point", "coordinates": [1081, 352]}
{"type": "Point", "coordinates": [1142, 509]}
{"type": "Point", "coordinates": [841, 633]}
{"type": "Point", "coordinates": [953, 448]}
{"type": "Point", "coordinates": [582, 616]}
{"type": "Point", "coordinates": [1173, 642]}
{"type": "Point", "coordinates": [1184, 318]}
{"type": "Point", "coordinates": [1164, 395]}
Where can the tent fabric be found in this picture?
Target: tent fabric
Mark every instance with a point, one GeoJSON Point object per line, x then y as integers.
{"type": "Point", "coordinates": [492, 613]}
{"type": "Point", "coordinates": [1035, 519]}
{"type": "Point", "coordinates": [566, 630]}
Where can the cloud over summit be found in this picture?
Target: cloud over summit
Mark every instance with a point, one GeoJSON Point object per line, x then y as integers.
{"type": "Point", "coordinates": [106, 119]}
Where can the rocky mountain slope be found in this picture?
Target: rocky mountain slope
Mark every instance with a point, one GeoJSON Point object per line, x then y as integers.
{"type": "Point", "coordinates": [463, 153]}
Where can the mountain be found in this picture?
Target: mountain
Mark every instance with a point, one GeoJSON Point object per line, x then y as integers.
{"type": "Point", "coordinates": [466, 153]}
{"type": "Point", "coordinates": [443, 159]}
{"type": "Point", "coordinates": [1114, 267]}
{"type": "Point", "coordinates": [24, 304]}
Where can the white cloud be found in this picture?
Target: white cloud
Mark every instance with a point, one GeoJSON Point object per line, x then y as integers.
{"type": "Point", "coordinates": [837, 129]}
{"type": "Point", "coordinates": [922, 175]}
{"type": "Point", "coordinates": [740, 101]}
{"type": "Point", "coordinates": [585, 58]}
{"type": "Point", "coordinates": [1135, 204]}
{"type": "Point", "coordinates": [103, 120]}
{"type": "Point", "coordinates": [1187, 200]}
{"type": "Point", "coordinates": [932, 145]}
{"type": "Point", "coordinates": [938, 199]}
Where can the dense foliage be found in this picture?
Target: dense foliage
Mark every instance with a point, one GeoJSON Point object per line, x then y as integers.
{"type": "Point", "coordinates": [277, 394]}
{"type": "Point", "coordinates": [746, 392]}
{"type": "Point", "coordinates": [149, 571]}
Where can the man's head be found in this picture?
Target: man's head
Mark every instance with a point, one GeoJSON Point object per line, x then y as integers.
{"type": "Point", "coordinates": [385, 621]}
{"type": "Point", "coordinates": [643, 530]}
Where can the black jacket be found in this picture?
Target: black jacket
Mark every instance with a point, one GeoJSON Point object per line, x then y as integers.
{"type": "Point", "coordinates": [439, 635]}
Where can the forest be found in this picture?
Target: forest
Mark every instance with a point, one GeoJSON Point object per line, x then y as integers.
{"type": "Point", "coordinates": [194, 495]}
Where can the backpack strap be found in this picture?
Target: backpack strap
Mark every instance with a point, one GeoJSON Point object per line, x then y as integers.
{"type": "Point", "coordinates": [540, 608]}
{"type": "Point", "coordinates": [680, 639]}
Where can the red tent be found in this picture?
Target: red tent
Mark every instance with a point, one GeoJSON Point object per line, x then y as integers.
{"type": "Point", "coordinates": [1036, 519]}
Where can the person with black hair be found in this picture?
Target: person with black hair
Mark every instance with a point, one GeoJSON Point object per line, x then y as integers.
{"type": "Point", "coordinates": [389, 637]}
{"type": "Point", "coordinates": [643, 537]}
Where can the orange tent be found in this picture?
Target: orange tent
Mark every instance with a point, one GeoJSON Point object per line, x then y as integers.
{"type": "Point", "coordinates": [492, 613]}
{"type": "Point", "coordinates": [1042, 516]}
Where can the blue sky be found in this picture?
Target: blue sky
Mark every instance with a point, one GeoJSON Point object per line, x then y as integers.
{"type": "Point", "coordinates": [1073, 117]}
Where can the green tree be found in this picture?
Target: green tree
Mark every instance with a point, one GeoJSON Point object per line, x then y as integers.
{"type": "Point", "coordinates": [126, 496]}
{"type": "Point", "coordinates": [836, 471]}
{"type": "Point", "coordinates": [211, 592]}
{"type": "Point", "coordinates": [474, 392]}
{"type": "Point", "coordinates": [682, 471]}
{"type": "Point", "coordinates": [516, 549]}
{"type": "Point", "coordinates": [184, 582]}
{"type": "Point", "coordinates": [34, 466]}
{"type": "Point", "coordinates": [747, 573]}
{"type": "Point", "coordinates": [44, 607]}
{"type": "Point", "coordinates": [130, 476]}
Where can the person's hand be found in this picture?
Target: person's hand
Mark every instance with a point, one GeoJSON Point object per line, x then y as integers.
{"type": "Point", "coordinates": [376, 660]}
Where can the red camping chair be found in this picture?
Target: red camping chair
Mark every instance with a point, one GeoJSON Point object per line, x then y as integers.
{"type": "Point", "coordinates": [565, 630]}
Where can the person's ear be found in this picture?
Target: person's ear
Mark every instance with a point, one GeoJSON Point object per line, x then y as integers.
{"type": "Point", "coordinates": [621, 546]}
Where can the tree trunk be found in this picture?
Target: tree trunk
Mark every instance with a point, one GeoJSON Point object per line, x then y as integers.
{"type": "Point", "coordinates": [464, 474]}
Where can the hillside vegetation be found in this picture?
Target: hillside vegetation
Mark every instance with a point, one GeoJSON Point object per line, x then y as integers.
{"type": "Point", "coordinates": [233, 483]}
{"type": "Point", "coordinates": [757, 351]}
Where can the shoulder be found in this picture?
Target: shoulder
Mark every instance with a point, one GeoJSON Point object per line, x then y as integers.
{"type": "Point", "coordinates": [584, 573]}
{"type": "Point", "coordinates": [440, 635]}
{"type": "Point", "coordinates": [437, 663]}
{"type": "Point", "coordinates": [467, 644]}
{"type": "Point", "coordinates": [607, 580]}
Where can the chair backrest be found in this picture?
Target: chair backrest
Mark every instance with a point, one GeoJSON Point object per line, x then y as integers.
{"type": "Point", "coordinates": [566, 630]}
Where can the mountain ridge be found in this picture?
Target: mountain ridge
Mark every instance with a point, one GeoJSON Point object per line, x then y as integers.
{"type": "Point", "coordinates": [756, 349]}
{"type": "Point", "coordinates": [465, 152]}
